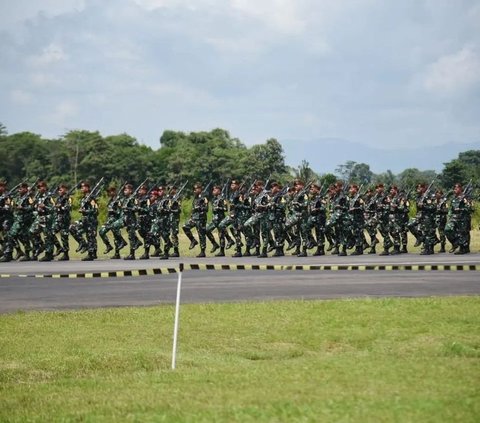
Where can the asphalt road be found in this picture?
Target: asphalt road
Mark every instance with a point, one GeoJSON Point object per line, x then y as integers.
{"type": "Point", "coordinates": [18, 292]}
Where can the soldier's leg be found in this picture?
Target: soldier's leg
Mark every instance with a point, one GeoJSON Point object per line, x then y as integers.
{"type": "Point", "coordinates": [209, 233]}
{"type": "Point", "coordinates": [200, 225]}
{"type": "Point", "coordinates": [187, 229]}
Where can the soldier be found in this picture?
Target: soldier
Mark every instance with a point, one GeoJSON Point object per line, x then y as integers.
{"type": "Point", "coordinates": [339, 220]}
{"type": "Point", "coordinates": [129, 210]}
{"type": "Point", "coordinates": [87, 225]}
{"type": "Point", "coordinates": [161, 219]}
{"type": "Point", "coordinates": [382, 209]}
{"type": "Point", "coordinates": [6, 215]}
{"type": "Point", "coordinates": [395, 218]}
{"type": "Point", "coordinates": [144, 222]}
{"type": "Point", "coordinates": [441, 217]}
{"type": "Point", "coordinates": [175, 208]}
{"type": "Point", "coordinates": [370, 219]}
{"type": "Point", "coordinates": [152, 211]}
{"type": "Point", "coordinates": [114, 214]}
{"type": "Point", "coordinates": [197, 220]}
{"type": "Point", "coordinates": [43, 223]}
{"type": "Point", "coordinates": [22, 207]}
{"type": "Point", "coordinates": [298, 219]}
{"type": "Point", "coordinates": [424, 226]}
{"type": "Point", "coordinates": [234, 217]}
{"type": "Point", "coordinates": [317, 218]}
{"type": "Point", "coordinates": [404, 216]}
{"type": "Point", "coordinates": [458, 226]}
{"type": "Point", "coordinates": [258, 223]}
{"type": "Point", "coordinates": [357, 218]}
{"type": "Point", "coordinates": [219, 208]}
{"type": "Point", "coordinates": [63, 206]}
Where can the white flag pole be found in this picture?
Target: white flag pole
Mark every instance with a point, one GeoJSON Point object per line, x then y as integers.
{"type": "Point", "coordinates": [177, 316]}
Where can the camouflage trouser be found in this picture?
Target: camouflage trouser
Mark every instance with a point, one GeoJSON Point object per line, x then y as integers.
{"type": "Point", "coordinates": [317, 224]}
{"type": "Point", "coordinates": [384, 229]}
{"type": "Point", "coordinates": [235, 223]}
{"type": "Point", "coordinates": [358, 236]}
{"type": "Point", "coordinates": [223, 235]}
{"type": "Point", "coordinates": [43, 225]}
{"type": "Point", "coordinates": [427, 228]}
{"type": "Point", "coordinates": [299, 221]}
{"type": "Point", "coordinates": [174, 229]}
{"type": "Point", "coordinates": [161, 229]}
{"type": "Point", "coordinates": [457, 231]}
{"type": "Point", "coordinates": [342, 227]}
{"type": "Point", "coordinates": [394, 229]}
{"type": "Point", "coordinates": [199, 224]}
{"type": "Point", "coordinates": [259, 226]}
{"type": "Point", "coordinates": [415, 228]}
{"type": "Point", "coordinates": [84, 231]}
{"type": "Point", "coordinates": [112, 224]}
{"type": "Point", "coordinates": [440, 223]}
{"type": "Point", "coordinates": [371, 226]}
{"type": "Point", "coordinates": [62, 226]}
{"type": "Point", "coordinates": [144, 224]}
{"type": "Point", "coordinates": [19, 231]}
{"type": "Point", "coordinates": [277, 226]}
{"type": "Point", "coordinates": [404, 230]}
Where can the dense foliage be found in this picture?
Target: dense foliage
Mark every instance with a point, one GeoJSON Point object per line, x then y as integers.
{"type": "Point", "coordinates": [196, 156]}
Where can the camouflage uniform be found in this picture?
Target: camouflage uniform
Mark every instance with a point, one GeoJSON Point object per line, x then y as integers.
{"type": "Point", "coordinates": [87, 226]}
{"type": "Point", "coordinates": [175, 210]}
{"type": "Point", "coordinates": [22, 206]}
{"type": "Point", "coordinates": [43, 223]}
{"type": "Point", "coordinates": [276, 219]}
{"type": "Point", "coordinates": [113, 224]}
{"type": "Point", "coordinates": [198, 220]}
{"type": "Point", "coordinates": [357, 221]}
{"type": "Point", "coordinates": [129, 217]}
{"type": "Point", "coordinates": [339, 221]}
{"type": "Point", "coordinates": [371, 222]}
{"type": "Point", "coordinates": [317, 220]}
{"type": "Point", "coordinates": [160, 228]}
{"type": "Point", "coordinates": [234, 220]}
{"type": "Point", "coordinates": [395, 220]}
{"type": "Point", "coordinates": [425, 219]}
{"type": "Point", "coordinates": [458, 226]}
{"type": "Point", "coordinates": [382, 208]}
{"type": "Point", "coordinates": [258, 223]}
{"type": "Point", "coordinates": [298, 219]}
{"type": "Point", "coordinates": [61, 225]}
{"type": "Point", "coordinates": [219, 208]}
{"type": "Point", "coordinates": [441, 221]}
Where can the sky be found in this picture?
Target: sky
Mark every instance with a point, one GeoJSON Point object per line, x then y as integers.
{"type": "Point", "coordinates": [372, 74]}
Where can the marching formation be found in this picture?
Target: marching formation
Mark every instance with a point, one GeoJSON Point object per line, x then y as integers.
{"type": "Point", "coordinates": [255, 219]}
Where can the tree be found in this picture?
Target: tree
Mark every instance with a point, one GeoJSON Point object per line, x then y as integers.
{"type": "Point", "coordinates": [354, 172]}
{"type": "Point", "coordinates": [462, 169]}
{"type": "Point", "coordinates": [305, 172]}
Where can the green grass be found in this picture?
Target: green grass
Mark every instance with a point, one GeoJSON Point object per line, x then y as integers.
{"type": "Point", "coordinates": [405, 360]}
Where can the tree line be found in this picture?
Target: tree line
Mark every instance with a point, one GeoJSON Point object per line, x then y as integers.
{"type": "Point", "coordinates": [197, 156]}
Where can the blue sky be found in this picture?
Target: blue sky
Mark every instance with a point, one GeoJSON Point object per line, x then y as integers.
{"type": "Point", "coordinates": [383, 75]}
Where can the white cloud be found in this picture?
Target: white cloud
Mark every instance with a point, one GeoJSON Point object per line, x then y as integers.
{"type": "Point", "coordinates": [51, 54]}
{"type": "Point", "coordinates": [62, 113]}
{"type": "Point", "coordinates": [454, 73]}
{"type": "Point", "coordinates": [21, 97]}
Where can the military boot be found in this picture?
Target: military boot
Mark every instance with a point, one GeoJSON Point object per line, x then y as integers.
{"type": "Point", "coordinates": [396, 250]}
{"type": "Point", "coordinates": [343, 251]}
{"type": "Point", "coordinates": [462, 250]}
{"type": "Point", "coordinates": [335, 250]}
{"type": "Point", "coordinates": [193, 244]}
{"type": "Point", "coordinates": [89, 257]}
{"type": "Point", "coordinates": [47, 257]}
{"type": "Point", "coordinates": [221, 253]}
{"type": "Point", "coordinates": [238, 253]}
{"type": "Point", "coordinates": [131, 256]}
{"type": "Point", "coordinates": [230, 243]}
{"type": "Point", "coordinates": [373, 250]}
{"type": "Point", "coordinates": [404, 250]}
{"type": "Point", "coordinates": [157, 252]}
{"type": "Point", "coordinates": [215, 247]}
{"type": "Point", "coordinates": [442, 248]}
{"type": "Point", "coordinates": [278, 252]}
{"type": "Point", "coordinates": [358, 251]}
{"type": "Point", "coordinates": [6, 258]}
{"type": "Point", "coordinates": [384, 252]}
{"type": "Point", "coordinates": [64, 257]}
{"type": "Point", "coordinates": [303, 253]}
{"type": "Point", "coordinates": [202, 253]}
{"type": "Point", "coordinates": [320, 251]}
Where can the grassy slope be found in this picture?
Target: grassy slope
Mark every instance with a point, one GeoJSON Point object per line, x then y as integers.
{"type": "Point", "coordinates": [351, 360]}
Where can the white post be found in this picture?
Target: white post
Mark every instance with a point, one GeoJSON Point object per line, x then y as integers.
{"type": "Point", "coordinates": [177, 316]}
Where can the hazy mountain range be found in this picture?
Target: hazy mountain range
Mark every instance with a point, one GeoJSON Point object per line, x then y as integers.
{"type": "Point", "coordinates": [324, 155]}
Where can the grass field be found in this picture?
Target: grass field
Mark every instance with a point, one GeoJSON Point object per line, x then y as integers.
{"type": "Point", "coordinates": [385, 360]}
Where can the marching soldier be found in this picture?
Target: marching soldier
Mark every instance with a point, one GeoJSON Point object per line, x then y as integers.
{"type": "Point", "coordinates": [197, 220]}
{"type": "Point", "coordinates": [458, 224]}
{"type": "Point", "coordinates": [63, 207]}
{"type": "Point", "coordinates": [317, 218]}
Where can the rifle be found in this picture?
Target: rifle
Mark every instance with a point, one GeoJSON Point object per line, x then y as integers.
{"type": "Point", "coordinates": [468, 190]}
{"type": "Point", "coordinates": [205, 190]}
{"type": "Point", "coordinates": [138, 188]}
{"type": "Point", "coordinates": [73, 189]}
{"type": "Point", "coordinates": [357, 195]}
{"type": "Point", "coordinates": [9, 193]}
{"type": "Point", "coordinates": [96, 190]}
{"type": "Point", "coordinates": [120, 192]}
{"type": "Point", "coordinates": [177, 194]}
{"type": "Point", "coordinates": [224, 192]}
{"type": "Point", "coordinates": [424, 195]}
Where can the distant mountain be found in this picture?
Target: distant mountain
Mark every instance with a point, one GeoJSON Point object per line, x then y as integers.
{"type": "Point", "coordinates": [325, 154]}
